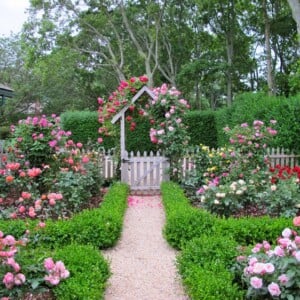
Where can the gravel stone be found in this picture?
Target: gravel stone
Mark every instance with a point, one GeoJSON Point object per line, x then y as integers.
{"type": "Point", "coordinates": [142, 263]}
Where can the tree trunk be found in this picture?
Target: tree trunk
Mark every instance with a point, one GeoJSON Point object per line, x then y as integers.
{"type": "Point", "coordinates": [270, 78]}
{"type": "Point", "coordinates": [230, 50]}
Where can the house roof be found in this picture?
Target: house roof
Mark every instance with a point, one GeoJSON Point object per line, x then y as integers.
{"type": "Point", "coordinates": [5, 91]}
{"type": "Point", "coordinates": [143, 90]}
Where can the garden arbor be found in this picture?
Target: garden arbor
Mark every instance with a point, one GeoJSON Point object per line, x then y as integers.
{"type": "Point", "coordinates": [140, 167]}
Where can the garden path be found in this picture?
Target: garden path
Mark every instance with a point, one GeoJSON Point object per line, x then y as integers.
{"type": "Point", "coordinates": [142, 263]}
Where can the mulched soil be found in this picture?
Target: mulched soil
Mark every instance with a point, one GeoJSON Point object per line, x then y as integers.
{"type": "Point", "coordinates": [42, 296]}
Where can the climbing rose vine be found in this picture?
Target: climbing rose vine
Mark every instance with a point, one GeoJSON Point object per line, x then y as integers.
{"type": "Point", "coordinates": [165, 113]}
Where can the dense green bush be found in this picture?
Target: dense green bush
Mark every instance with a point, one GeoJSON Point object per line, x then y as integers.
{"type": "Point", "coordinates": [183, 221]}
{"type": "Point", "coordinates": [84, 126]}
{"type": "Point", "coordinates": [88, 269]}
{"type": "Point", "coordinates": [211, 284]}
{"type": "Point", "coordinates": [248, 107]}
{"type": "Point", "coordinates": [202, 128]}
{"type": "Point", "coordinates": [89, 272]}
{"type": "Point", "coordinates": [139, 139]}
{"type": "Point", "coordinates": [4, 132]}
{"type": "Point", "coordinates": [251, 230]}
{"type": "Point", "coordinates": [100, 227]}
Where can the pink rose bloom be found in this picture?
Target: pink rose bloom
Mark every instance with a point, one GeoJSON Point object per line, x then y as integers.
{"type": "Point", "coordinates": [269, 268]}
{"type": "Point", "coordinates": [9, 240]}
{"type": "Point", "coordinates": [49, 263]}
{"type": "Point", "coordinates": [31, 212]}
{"type": "Point", "coordinates": [52, 201]}
{"type": "Point", "coordinates": [42, 224]}
{"type": "Point", "coordinates": [259, 268]}
{"type": "Point", "coordinates": [8, 280]}
{"type": "Point", "coordinates": [22, 209]}
{"type": "Point", "coordinates": [85, 159]}
{"type": "Point", "coordinates": [256, 282]}
{"type": "Point", "coordinates": [278, 251]}
{"type": "Point", "coordinates": [19, 279]}
{"type": "Point", "coordinates": [53, 280]}
{"type": "Point", "coordinates": [274, 289]}
{"type": "Point", "coordinates": [284, 242]}
{"type": "Point", "coordinates": [283, 278]}
{"type": "Point", "coordinates": [296, 221]}
{"type": "Point", "coordinates": [26, 195]}
{"type": "Point", "coordinates": [297, 255]}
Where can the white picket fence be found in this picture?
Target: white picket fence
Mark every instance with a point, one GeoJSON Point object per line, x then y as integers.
{"type": "Point", "coordinates": [144, 171]}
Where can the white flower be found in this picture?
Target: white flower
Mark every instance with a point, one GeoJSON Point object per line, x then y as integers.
{"type": "Point", "coordinates": [273, 187]}
{"type": "Point", "coordinates": [202, 199]}
{"type": "Point", "coordinates": [216, 202]}
{"type": "Point", "coordinates": [239, 192]}
{"type": "Point", "coordinates": [241, 182]}
{"type": "Point", "coordinates": [286, 233]}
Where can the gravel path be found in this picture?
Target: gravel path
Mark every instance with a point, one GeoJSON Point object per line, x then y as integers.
{"type": "Point", "coordinates": [143, 265]}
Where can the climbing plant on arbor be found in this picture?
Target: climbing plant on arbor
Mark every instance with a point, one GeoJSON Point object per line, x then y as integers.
{"type": "Point", "coordinates": [165, 113]}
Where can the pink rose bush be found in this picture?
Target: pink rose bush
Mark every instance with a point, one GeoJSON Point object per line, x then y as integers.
{"type": "Point", "coordinates": [12, 274]}
{"type": "Point", "coordinates": [244, 161]}
{"type": "Point", "coordinates": [272, 272]}
{"type": "Point", "coordinates": [45, 173]}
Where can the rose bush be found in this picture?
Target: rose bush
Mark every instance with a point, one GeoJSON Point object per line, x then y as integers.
{"type": "Point", "coordinates": [17, 279]}
{"type": "Point", "coordinates": [34, 175]}
{"type": "Point", "coordinates": [244, 161]}
{"type": "Point", "coordinates": [272, 272]}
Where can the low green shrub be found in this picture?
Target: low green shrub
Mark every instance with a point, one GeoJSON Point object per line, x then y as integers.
{"type": "Point", "coordinates": [88, 269]}
{"type": "Point", "coordinates": [16, 228]}
{"type": "Point", "coordinates": [213, 283]}
{"type": "Point", "coordinates": [183, 222]}
{"type": "Point", "coordinates": [251, 230]}
{"type": "Point", "coordinates": [89, 272]}
{"type": "Point", "coordinates": [100, 227]}
{"type": "Point", "coordinates": [204, 250]}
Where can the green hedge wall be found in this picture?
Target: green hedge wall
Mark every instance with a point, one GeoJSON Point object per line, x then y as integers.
{"type": "Point", "coordinates": [202, 127]}
{"type": "Point", "coordinates": [84, 126]}
{"type": "Point", "coordinates": [248, 107]}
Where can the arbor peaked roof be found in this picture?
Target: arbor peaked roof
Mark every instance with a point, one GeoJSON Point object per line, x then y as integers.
{"type": "Point", "coordinates": [121, 113]}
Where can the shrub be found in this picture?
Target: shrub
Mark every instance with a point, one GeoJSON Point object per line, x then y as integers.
{"type": "Point", "coordinates": [83, 125]}
{"type": "Point", "coordinates": [213, 283]}
{"type": "Point", "coordinates": [205, 250]}
{"type": "Point", "coordinates": [183, 222]}
{"type": "Point", "coordinates": [201, 127]}
{"type": "Point", "coordinates": [4, 132]}
{"type": "Point", "coordinates": [88, 273]}
{"type": "Point", "coordinates": [100, 227]}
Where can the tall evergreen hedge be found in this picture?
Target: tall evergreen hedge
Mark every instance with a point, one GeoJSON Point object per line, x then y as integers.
{"type": "Point", "coordinates": [202, 127]}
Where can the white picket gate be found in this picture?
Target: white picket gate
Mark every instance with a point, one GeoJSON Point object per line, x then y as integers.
{"type": "Point", "coordinates": [144, 173]}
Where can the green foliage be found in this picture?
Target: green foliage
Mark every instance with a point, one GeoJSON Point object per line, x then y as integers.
{"type": "Point", "coordinates": [211, 283]}
{"type": "Point", "coordinates": [139, 139]}
{"type": "Point", "coordinates": [201, 127]}
{"type": "Point", "coordinates": [88, 273]}
{"type": "Point", "coordinates": [251, 230]}
{"type": "Point", "coordinates": [183, 221]}
{"type": "Point", "coordinates": [83, 125]}
{"type": "Point", "coordinates": [248, 107]}
{"type": "Point", "coordinates": [100, 227]}
{"type": "Point", "coordinates": [4, 132]}
{"type": "Point", "coordinates": [204, 266]}
{"type": "Point", "coordinates": [16, 228]}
